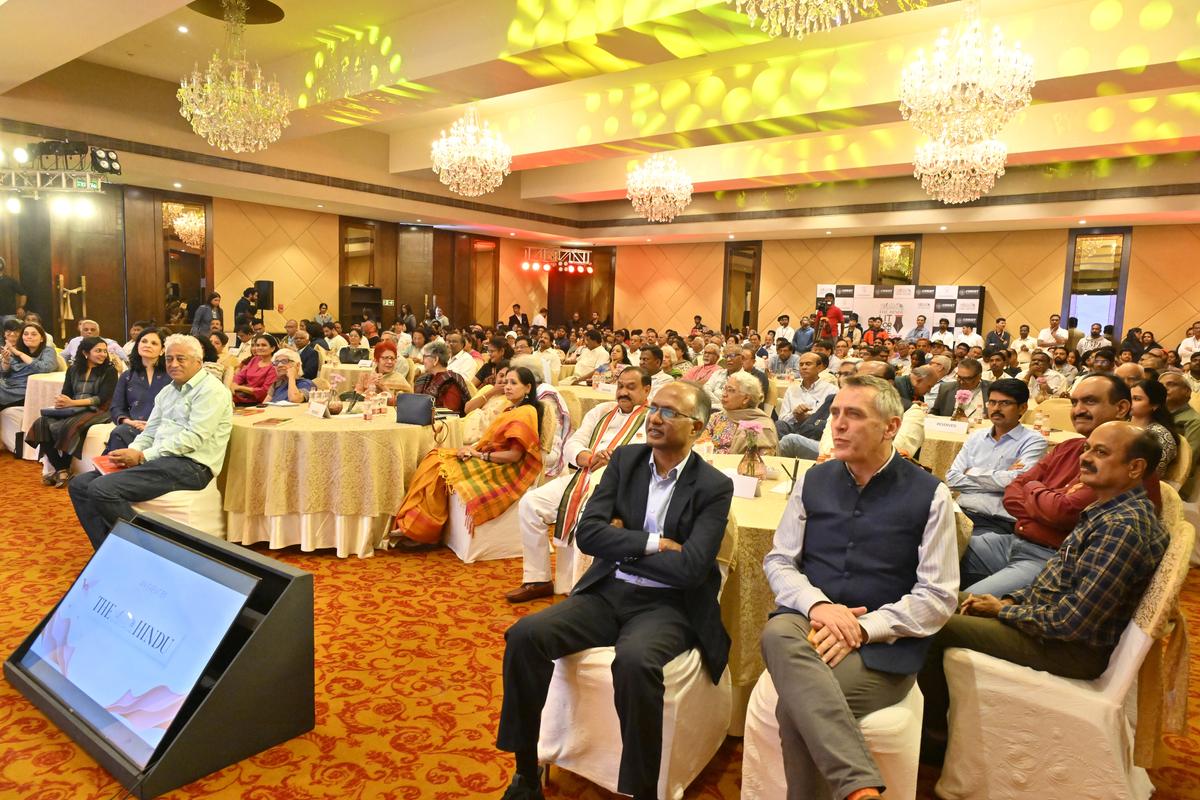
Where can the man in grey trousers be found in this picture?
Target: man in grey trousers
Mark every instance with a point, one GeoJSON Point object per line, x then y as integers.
{"type": "Point", "coordinates": [864, 569]}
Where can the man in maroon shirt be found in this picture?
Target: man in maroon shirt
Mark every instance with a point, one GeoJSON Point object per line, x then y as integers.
{"type": "Point", "coordinates": [1046, 500]}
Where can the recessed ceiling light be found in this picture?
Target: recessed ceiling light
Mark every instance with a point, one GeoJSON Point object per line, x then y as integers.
{"type": "Point", "coordinates": [647, 240]}
{"type": "Point", "coordinates": [1083, 222]}
{"type": "Point", "coordinates": [182, 29]}
{"type": "Point", "coordinates": [177, 185]}
{"type": "Point", "coordinates": [418, 220]}
{"type": "Point", "coordinates": [942, 228]}
{"type": "Point", "coordinates": [731, 236]}
{"type": "Point", "coordinates": [320, 205]}
{"type": "Point", "coordinates": [513, 233]}
{"type": "Point", "coordinates": [828, 233]}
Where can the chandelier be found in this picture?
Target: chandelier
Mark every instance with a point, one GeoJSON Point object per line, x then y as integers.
{"type": "Point", "coordinates": [959, 173]}
{"type": "Point", "coordinates": [799, 18]}
{"type": "Point", "coordinates": [230, 104]}
{"type": "Point", "coordinates": [659, 188]}
{"type": "Point", "coordinates": [189, 225]}
{"type": "Point", "coordinates": [472, 160]}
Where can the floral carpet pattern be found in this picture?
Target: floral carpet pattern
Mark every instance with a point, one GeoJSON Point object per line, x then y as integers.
{"type": "Point", "coordinates": [408, 662]}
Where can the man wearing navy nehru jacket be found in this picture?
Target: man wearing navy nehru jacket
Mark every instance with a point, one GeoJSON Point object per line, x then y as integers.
{"type": "Point", "coordinates": [864, 569]}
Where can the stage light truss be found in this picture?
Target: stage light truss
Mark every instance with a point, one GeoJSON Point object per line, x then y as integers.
{"type": "Point", "coordinates": [55, 167]}
{"type": "Point", "coordinates": [558, 255]}
{"type": "Point", "coordinates": [30, 182]}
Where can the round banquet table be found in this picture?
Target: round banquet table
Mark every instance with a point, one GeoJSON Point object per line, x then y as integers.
{"type": "Point", "coordinates": [321, 483]}
{"type": "Point", "coordinates": [939, 450]}
{"type": "Point", "coordinates": [747, 598]}
{"type": "Point", "coordinates": [350, 372]}
{"type": "Point", "coordinates": [567, 371]}
{"type": "Point", "coordinates": [40, 392]}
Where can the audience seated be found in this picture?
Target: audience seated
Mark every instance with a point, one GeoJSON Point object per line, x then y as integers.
{"type": "Point", "coordinates": [388, 375]}
{"type": "Point", "coordinates": [25, 353]}
{"type": "Point", "coordinates": [1148, 410]}
{"type": "Point", "coordinates": [590, 355]}
{"type": "Point", "coordinates": [181, 447]}
{"type": "Point", "coordinates": [807, 440]}
{"type": "Point", "coordinates": [133, 398]}
{"type": "Point", "coordinates": [655, 525]}
{"type": "Point", "coordinates": [914, 386]}
{"type": "Point", "coordinates": [740, 409]}
{"type": "Point", "coordinates": [499, 354]}
{"type": "Point", "coordinates": [553, 460]}
{"type": "Point", "coordinates": [1070, 618]}
{"type": "Point", "coordinates": [605, 427]}
{"type": "Point", "coordinates": [89, 328]}
{"type": "Point", "coordinates": [488, 476]}
{"type": "Point", "coordinates": [710, 362]}
{"type": "Point", "coordinates": [784, 361]}
{"type": "Point", "coordinates": [224, 364]}
{"type": "Point", "coordinates": [731, 362]}
{"type": "Point", "coordinates": [356, 348]}
{"type": "Point", "coordinates": [310, 358]}
{"type": "Point", "coordinates": [446, 387]}
{"type": "Point", "coordinates": [991, 458]}
{"type": "Point", "coordinates": [868, 531]}
{"type": "Point", "coordinates": [256, 375]}
{"type": "Point", "coordinates": [1046, 500]}
{"type": "Point", "coordinates": [1043, 381]}
{"type": "Point", "coordinates": [805, 395]}
{"type": "Point", "coordinates": [970, 381]}
{"type": "Point", "coordinates": [84, 401]}
{"type": "Point", "coordinates": [1187, 422]}
{"type": "Point", "coordinates": [288, 386]}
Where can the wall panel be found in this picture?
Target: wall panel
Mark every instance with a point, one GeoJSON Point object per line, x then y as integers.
{"type": "Point", "coordinates": [663, 286]}
{"type": "Point", "coordinates": [1164, 281]}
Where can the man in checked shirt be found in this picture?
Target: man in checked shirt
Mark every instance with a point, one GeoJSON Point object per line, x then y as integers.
{"type": "Point", "coordinates": [1069, 620]}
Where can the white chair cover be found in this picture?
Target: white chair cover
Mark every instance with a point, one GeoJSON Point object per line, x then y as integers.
{"type": "Point", "coordinates": [93, 445]}
{"type": "Point", "coordinates": [10, 425]}
{"type": "Point", "coordinates": [893, 735]}
{"type": "Point", "coordinates": [1059, 737]}
{"type": "Point", "coordinates": [198, 509]}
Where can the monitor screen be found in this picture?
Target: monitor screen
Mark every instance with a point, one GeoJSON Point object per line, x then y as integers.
{"type": "Point", "coordinates": [132, 636]}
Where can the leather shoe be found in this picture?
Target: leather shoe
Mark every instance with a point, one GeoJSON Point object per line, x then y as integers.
{"type": "Point", "coordinates": [530, 591]}
{"type": "Point", "coordinates": [520, 789]}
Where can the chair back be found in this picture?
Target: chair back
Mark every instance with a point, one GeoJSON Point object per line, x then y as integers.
{"type": "Point", "coordinates": [727, 555]}
{"type": "Point", "coordinates": [62, 362]}
{"type": "Point", "coordinates": [1172, 507]}
{"type": "Point", "coordinates": [574, 409]}
{"type": "Point", "coordinates": [1178, 472]}
{"type": "Point", "coordinates": [1058, 410]}
{"type": "Point", "coordinates": [772, 395]}
{"type": "Point", "coordinates": [353, 355]}
{"type": "Point", "coordinates": [320, 384]}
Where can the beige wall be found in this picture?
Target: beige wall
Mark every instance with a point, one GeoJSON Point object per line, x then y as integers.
{"type": "Point", "coordinates": [516, 285]}
{"type": "Point", "coordinates": [1164, 281]}
{"type": "Point", "coordinates": [298, 250]}
{"type": "Point", "coordinates": [664, 286]}
{"type": "Point", "coordinates": [792, 268]}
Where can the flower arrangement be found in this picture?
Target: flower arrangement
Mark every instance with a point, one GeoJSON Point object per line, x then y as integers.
{"type": "Point", "coordinates": [752, 463]}
{"type": "Point", "coordinates": [961, 398]}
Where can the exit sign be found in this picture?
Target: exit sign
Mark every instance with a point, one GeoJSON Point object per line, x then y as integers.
{"type": "Point", "coordinates": [389, 302]}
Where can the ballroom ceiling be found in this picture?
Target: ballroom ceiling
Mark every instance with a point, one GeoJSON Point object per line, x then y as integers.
{"type": "Point", "coordinates": [584, 89]}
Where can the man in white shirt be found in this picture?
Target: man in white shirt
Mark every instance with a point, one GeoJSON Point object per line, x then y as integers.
{"type": "Point", "coordinates": [805, 395]}
{"type": "Point", "coordinates": [333, 339]}
{"type": "Point", "coordinates": [1093, 341]}
{"type": "Point", "coordinates": [731, 362]}
{"type": "Point", "coordinates": [832, 661]}
{"type": "Point", "coordinates": [1189, 345]}
{"type": "Point", "coordinates": [785, 332]}
{"type": "Point", "coordinates": [1043, 380]}
{"type": "Point", "coordinates": [461, 360]}
{"type": "Point", "coordinates": [969, 337]}
{"type": "Point", "coordinates": [591, 356]}
{"type": "Point", "coordinates": [841, 349]}
{"type": "Point", "coordinates": [650, 359]}
{"type": "Point", "coordinates": [604, 428]}
{"type": "Point", "coordinates": [1024, 345]}
{"type": "Point", "coordinates": [550, 356]}
{"type": "Point", "coordinates": [89, 327]}
{"type": "Point", "coordinates": [944, 334]}
{"type": "Point", "coordinates": [539, 319]}
{"type": "Point", "coordinates": [290, 327]}
{"type": "Point", "coordinates": [1052, 335]}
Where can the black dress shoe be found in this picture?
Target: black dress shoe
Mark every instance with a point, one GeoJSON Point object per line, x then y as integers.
{"type": "Point", "coordinates": [521, 789]}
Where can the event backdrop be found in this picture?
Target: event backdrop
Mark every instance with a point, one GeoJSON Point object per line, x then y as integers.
{"type": "Point", "coordinates": [899, 306]}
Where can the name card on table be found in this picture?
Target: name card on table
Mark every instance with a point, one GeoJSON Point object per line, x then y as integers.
{"type": "Point", "coordinates": [607, 388]}
{"type": "Point", "coordinates": [366, 362]}
{"type": "Point", "coordinates": [318, 403]}
{"type": "Point", "coordinates": [743, 485]}
{"type": "Point", "coordinates": [945, 425]}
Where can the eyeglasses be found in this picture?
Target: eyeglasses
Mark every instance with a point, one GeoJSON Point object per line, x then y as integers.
{"type": "Point", "coordinates": [177, 359]}
{"type": "Point", "coordinates": [668, 414]}
{"type": "Point", "coordinates": [1001, 403]}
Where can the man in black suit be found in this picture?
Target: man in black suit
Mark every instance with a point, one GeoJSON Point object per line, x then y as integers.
{"type": "Point", "coordinates": [654, 525]}
{"type": "Point", "coordinates": [914, 385]}
{"type": "Point", "coordinates": [970, 378]}
{"type": "Point", "coordinates": [246, 309]}
{"type": "Point", "coordinates": [310, 359]}
{"type": "Point", "coordinates": [517, 318]}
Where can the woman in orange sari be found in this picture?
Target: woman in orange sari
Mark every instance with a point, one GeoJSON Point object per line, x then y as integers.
{"type": "Point", "coordinates": [488, 476]}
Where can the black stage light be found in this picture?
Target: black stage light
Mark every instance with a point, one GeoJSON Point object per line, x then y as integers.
{"type": "Point", "coordinates": [105, 161]}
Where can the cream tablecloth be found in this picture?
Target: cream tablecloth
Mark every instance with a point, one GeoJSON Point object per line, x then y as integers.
{"type": "Point", "coordinates": [321, 483]}
{"type": "Point", "coordinates": [940, 449]}
{"type": "Point", "coordinates": [40, 392]}
{"type": "Point", "coordinates": [567, 371]}
{"type": "Point", "coordinates": [351, 372]}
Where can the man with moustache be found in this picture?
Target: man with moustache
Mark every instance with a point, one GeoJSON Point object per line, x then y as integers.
{"type": "Point", "coordinates": [603, 429]}
{"type": "Point", "coordinates": [654, 525]}
{"type": "Point", "coordinates": [992, 458]}
{"type": "Point", "coordinates": [1070, 618]}
{"type": "Point", "coordinates": [1047, 500]}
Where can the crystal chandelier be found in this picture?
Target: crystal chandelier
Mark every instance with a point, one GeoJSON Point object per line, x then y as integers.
{"type": "Point", "coordinates": [967, 90]}
{"type": "Point", "coordinates": [959, 173]}
{"type": "Point", "coordinates": [230, 104]}
{"type": "Point", "coordinates": [659, 188]}
{"type": "Point", "coordinates": [799, 18]}
{"type": "Point", "coordinates": [472, 160]}
{"type": "Point", "coordinates": [188, 225]}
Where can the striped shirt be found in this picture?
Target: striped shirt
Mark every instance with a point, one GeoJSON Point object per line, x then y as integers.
{"type": "Point", "coordinates": [1089, 589]}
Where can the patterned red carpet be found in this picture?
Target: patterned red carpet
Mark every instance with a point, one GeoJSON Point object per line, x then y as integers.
{"type": "Point", "coordinates": [408, 676]}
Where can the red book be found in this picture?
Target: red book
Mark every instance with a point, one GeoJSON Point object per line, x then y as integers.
{"type": "Point", "coordinates": [105, 465]}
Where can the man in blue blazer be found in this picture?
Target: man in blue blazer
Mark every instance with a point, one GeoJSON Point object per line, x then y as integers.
{"type": "Point", "coordinates": [654, 525]}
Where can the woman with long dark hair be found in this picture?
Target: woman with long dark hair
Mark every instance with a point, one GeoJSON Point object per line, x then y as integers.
{"type": "Point", "coordinates": [86, 393]}
{"type": "Point", "coordinates": [1149, 411]}
{"type": "Point", "coordinates": [25, 353]}
{"type": "Point", "coordinates": [254, 377]}
{"type": "Point", "coordinates": [488, 476]}
{"type": "Point", "coordinates": [205, 314]}
{"type": "Point", "coordinates": [133, 399]}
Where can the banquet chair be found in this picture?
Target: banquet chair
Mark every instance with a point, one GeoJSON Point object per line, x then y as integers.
{"type": "Point", "coordinates": [12, 436]}
{"type": "Point", "coordinates": [574, 409]}
{"type": "Point", "coordinates": [202, 509]}
{"type": "Point", "coordinates": [893, 736]}
{"type": "Point", "coordinates": [500, 537]}
{"type": "Point", "coordinates": [1177, 473]}
{"type": "Point", "coordinates": [93, 445]}
{"type": "Point", "coordinates": [1058, 412]}
{"type": "Point", "coordinates": [580, 731]}
{"type": "Point", "coordinates": [771, 401]}
{"type": "Point", "coordinates": [1063, 736]}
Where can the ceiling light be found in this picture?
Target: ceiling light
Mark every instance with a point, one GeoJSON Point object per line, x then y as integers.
{"type": "Point", "coordinates": [959, 173]}
{"type": "Point", "coordinates": [828, 233]}
{"type": "Point", "coordinates": [20, 155]}
{"type": "Point", "coordinates": [320, 205]}
{"type": "Point", "coordinates": [731, 236]}
{"type": "Point", "coordinates": [512, 233]}
{"type": "Point", "coordinates": [942, 228]}
{"type": "Point", "coordinates": [659, 188]}
{"type": "Point", "coordinates": [799, 18]}
{"type": "Point", "coordinates": [60, 206]}
{"type": "Point", "coordinates": [473, 159]}
{"type": "Point", "coordinates": [177, 185]}
{"type": "Point", "coordinates": [418, 220]}
{"type": "Point", "coordinates": [182, 29]}
{"type": "Point", "coordinates": [1083, 222]}
{"type": "Point", "coordinates": [525, 266]}
{"type": "Point", "coordinates": [105, 161]}
{"type": "Point", "coordinates": [12, 205]}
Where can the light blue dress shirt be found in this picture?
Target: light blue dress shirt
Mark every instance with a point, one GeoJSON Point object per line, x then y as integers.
{"type": "Point", "coordinates": [658, 500]}
{"type": "Point", "coordinates": [982, 470]}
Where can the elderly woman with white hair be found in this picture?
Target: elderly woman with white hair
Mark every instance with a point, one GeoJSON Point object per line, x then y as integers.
{"type": "Point", "coordinates": [740, 401]}
{"type": "Point", "coordinates": [289, 386]}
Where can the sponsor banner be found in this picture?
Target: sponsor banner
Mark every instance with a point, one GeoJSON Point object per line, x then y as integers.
{"type": "Point", "coordinates": [899, 306]}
